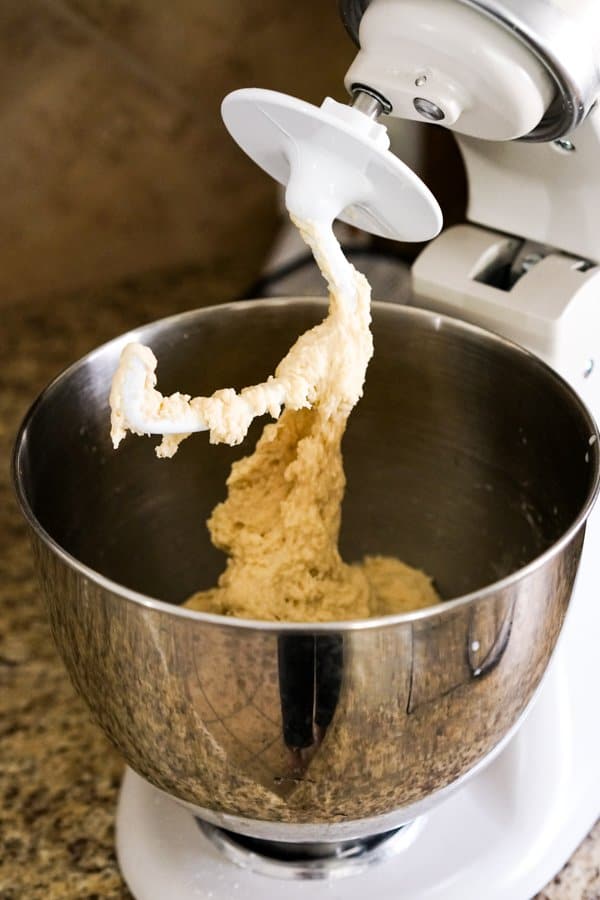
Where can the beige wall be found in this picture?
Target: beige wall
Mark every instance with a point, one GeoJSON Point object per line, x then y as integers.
{"type": "Point", "coordinates": [113, 157]}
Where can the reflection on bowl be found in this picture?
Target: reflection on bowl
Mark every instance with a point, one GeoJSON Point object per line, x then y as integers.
{"type": "Point", "coordinates": [467, 457]}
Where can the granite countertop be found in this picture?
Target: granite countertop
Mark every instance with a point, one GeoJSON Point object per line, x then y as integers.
{"type": "Point", "coordinates": [59, 776]}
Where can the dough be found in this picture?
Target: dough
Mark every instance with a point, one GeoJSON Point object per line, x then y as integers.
{"type": "Point", "coordinates": [279, 524]}
{"type": "Point", "coordinates": [328, 362]}
{"type": "Point", "coordinates": [279, 527]}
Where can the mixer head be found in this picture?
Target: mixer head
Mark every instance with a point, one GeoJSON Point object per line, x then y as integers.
{"type": "Point", "coordinates": [335, 163]}
{"type": "Point", "coordinates": [491, 70]}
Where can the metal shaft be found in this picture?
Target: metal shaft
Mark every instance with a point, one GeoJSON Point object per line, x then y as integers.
{"type": "Point", "coordinates": [368, 104]}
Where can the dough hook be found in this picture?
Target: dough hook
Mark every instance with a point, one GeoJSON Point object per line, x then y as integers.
{"type": "Point", "coordinates": [336, 164]}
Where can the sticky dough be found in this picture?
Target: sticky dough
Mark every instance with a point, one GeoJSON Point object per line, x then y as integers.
{"type": "Point", "coordinates": [279, 524]}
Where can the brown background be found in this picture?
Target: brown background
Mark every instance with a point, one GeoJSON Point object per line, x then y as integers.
{"type": "Point", "coordinates": [114, 160]}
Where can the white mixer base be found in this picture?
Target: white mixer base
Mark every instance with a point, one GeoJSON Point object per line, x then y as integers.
{"type": "Point", "coordinates": [503, 836]}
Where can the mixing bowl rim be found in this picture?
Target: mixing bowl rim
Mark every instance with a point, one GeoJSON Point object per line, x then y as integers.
{"type": "Point", "coordinates": [438, 320]}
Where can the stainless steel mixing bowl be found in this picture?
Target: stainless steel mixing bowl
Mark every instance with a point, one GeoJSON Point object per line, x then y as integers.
{"type": "Point", "coordinates": [467, 457]}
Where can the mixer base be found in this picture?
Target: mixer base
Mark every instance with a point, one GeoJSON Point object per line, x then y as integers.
{"type": "Point", "coordinates": [337, 859]}
{"type": "Point", "coordinates": [502, 836]}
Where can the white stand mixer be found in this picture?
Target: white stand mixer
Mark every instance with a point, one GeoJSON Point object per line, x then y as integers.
{"type": "Point", "coordinates": [518, 83]}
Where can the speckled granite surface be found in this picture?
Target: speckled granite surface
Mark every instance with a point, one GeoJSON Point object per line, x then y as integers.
{"type": "Point", "coordinates": [58, 774]}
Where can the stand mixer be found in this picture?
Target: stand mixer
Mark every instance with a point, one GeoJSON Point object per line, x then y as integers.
{"type": "Point", "coordinates": [518, 84]}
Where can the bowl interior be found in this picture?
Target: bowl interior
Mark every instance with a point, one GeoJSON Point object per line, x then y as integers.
{"type": "Point", "coordinates": [466, 457]}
